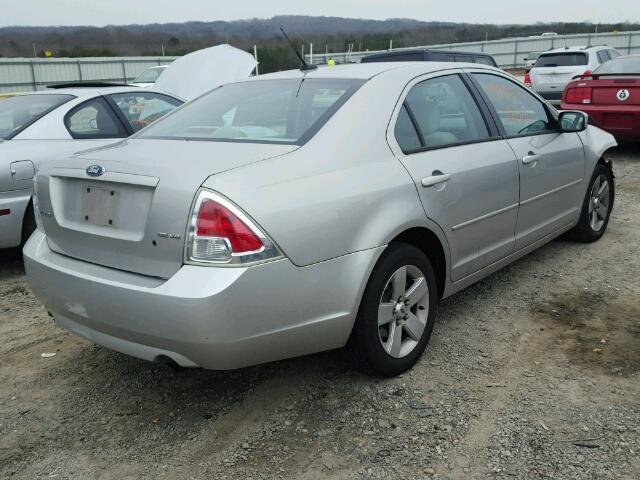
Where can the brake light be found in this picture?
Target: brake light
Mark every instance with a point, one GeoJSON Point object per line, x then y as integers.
{"type": "Point", "coordinates": [221, 233]}
{"type": "Point", "coordinates": [527, 79]}
{"type": "Point", "coordinates": [581, 95]}
{"type": "Point", "coordinates": [217, 221]}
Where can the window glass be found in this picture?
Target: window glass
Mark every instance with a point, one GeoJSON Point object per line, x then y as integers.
{"type": "Point", "coordinates": [445, 112]}
{"type": "Point", "coordinates": [569, 59]}
{"type": "Point", "coordinates": [629, 64]}
{"type": "Point", "coordinates": [142, 108]}
{"type": "Point", "coordinates": [150, 75]}
{"type": "Point", "coordinates": [17, 113]}
{"type": "Point", "coordinates": [440, 57]}
{"type": "Point", "coordinates": [603, 56]}
{"type": "Point", "coordinates": [94, 119]}
{"type": "Point", "coordinates": [520, 112]}
{"type": "Point", "coordinates": [287, 111]}
{"type": "Point", "coordinates": [406, 134]}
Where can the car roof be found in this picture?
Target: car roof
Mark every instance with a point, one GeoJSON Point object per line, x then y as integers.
{"type": "Point", "coordinates": [573, 49]}
{"type": "Point", "coordinates": [365, 71]}
{"type": "Point", "coordinates": [86, 92]}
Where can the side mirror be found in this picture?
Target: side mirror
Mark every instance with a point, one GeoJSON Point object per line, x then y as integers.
{"type": "Point", "coordinates": [573, 121]}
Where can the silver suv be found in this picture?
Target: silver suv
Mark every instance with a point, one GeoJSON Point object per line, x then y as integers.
{"type": "Point", "coordinates": [554, 69]}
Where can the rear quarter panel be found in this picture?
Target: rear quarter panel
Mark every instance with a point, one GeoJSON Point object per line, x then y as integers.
{"type": "Point", "coordinates": [342, 192]}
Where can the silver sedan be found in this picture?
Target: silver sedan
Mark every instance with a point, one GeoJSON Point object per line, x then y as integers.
{"type": "Point", "coordinates": [308, 210]}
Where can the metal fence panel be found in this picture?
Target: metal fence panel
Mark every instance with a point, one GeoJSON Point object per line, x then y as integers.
{"type": "Point", "coordinates": [28, 74]}
{"type": "Point", "coordinates": [511, 52]}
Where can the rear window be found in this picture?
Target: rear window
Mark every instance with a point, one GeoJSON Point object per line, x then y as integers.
{"type": "Point", "coordinates": [620, 65]}
{"type": "Point", "coordinates": [569, 59]}
{"type": "Point", "coordinates": [284, 111]}
{"type": "Point", "coordinates": [17, 113]}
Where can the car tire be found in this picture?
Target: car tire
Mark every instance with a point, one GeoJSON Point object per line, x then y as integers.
{"type": "Point", "coordinates": [28, 224]}
{"type": "Point", "coordinates": [596, 207]}
{"type": "Point", "coordinates": [388, 349]}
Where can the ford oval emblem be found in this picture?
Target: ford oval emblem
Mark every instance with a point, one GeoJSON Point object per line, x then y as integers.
{"type": "Point", "coordinates": [95, 170]}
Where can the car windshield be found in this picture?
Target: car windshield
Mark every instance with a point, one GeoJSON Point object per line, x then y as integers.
{"type": "Point", "coordinates": [568, 59]}
{"type": "Point", "coordinates": [629, 64]}
{"type": "Point", "coordinates": [149, 76]}
{"type": "Point", "coordinates": [17, 113]}
{"type": "Point", "coordinates": [284, 111]}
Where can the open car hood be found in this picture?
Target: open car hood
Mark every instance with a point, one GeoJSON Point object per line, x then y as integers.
{"type": "Point", "coordinates": [194, 74]}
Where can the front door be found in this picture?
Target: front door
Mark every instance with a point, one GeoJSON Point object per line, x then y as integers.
{"type": "Point", "coordinates": [551, 164]}
{"type": "Point", "coordinates": [466, 175]}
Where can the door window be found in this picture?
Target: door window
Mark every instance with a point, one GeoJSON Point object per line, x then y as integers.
{"type": "Point", "coordinates": [94, 119]}
{"type": "Point", "coordinates": [142, 108]}
{"type": "Point", "coordinates": [444, 112]}
{"type": "Point", "coordinates": [518, 110]}
{"type": "Point", "coordinates": [603, 56]}
{"type": "Point", "coordinates": [406, 133]}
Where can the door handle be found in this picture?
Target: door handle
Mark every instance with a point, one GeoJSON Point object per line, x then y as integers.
{"type": "Point", "coordinates": [436, 178]}
{"type": "Point", "coordinates": [530, 157]}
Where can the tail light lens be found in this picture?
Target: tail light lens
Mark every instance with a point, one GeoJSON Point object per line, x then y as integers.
{"type": "Point", "coordinates": [580, 95]}
{"type": "Point", "coordinates": [220, 233]}
{"type": "Point", "coordinates": [527, 79]}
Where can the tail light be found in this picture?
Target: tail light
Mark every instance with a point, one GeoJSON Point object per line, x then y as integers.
{"type": "Point", "coordinates": [581, 95]}
{"type": "Point", "coordinates": [527, 79]}
{"type": "Point", "coordinates": [220, 233]}
{"type": "Point", "coordinates": [587, 73]}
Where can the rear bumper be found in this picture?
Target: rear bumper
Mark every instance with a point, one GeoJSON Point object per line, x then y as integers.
{"type": "Point", "coordinates": [216, 318]}
{"type": "Point", "coordinates": [622, 121]}
{"type": "Point", "coordinates": [11, 224]}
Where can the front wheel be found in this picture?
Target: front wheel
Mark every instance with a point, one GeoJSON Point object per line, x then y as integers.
{"type": "Point", "coordinates": [596, 208]}
{"type": "Point", "coordinates": [397, 312]}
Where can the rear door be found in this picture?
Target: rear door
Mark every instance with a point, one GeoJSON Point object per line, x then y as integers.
{"type": "Point", "coordinates": [465, 174]}
{"type": "Point", "coordinates": [551, 164]}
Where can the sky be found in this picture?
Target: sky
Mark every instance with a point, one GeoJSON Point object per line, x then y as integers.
{"type": "Point", "coordinates": [120, 12]}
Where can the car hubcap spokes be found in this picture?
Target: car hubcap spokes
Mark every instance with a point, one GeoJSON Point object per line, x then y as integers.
{"type": "Point", "coordinates": [599, 203]}
{"type": "Point", "coordinates": [403, 311]}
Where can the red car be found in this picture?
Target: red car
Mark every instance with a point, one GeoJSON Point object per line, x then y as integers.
{"type": "Point", "coordinates": [610, 95]}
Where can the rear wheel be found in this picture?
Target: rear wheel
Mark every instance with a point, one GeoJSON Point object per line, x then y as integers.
{"type": "Point", "coordinates": [396, 315]}
{"type": "Point", "coordinates": [596, 208]}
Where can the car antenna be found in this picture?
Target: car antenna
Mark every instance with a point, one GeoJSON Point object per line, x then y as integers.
{"type": "Point", "coordinates": [305, 66]}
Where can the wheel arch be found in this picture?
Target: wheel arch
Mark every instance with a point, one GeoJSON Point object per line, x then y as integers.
{"type": "Point", "coordinates": [432, 246]}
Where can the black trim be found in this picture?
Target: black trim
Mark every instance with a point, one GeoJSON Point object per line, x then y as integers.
{"type": "Point", "coordinates": [43, 114]}
{"type": "Point", "coordinates": [414, 122]}
{"type": "Point", "coordinates": [89, 84]}
{"type": "Point", "coordinates": [121, 127]}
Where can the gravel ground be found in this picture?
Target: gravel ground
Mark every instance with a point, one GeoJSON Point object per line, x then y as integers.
{"type": "Point", "coordinates": [532, 373]}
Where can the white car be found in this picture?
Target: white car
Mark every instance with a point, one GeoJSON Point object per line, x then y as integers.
{"type": "Point", "coordinates": [149, 77]}
{"type": "Point", "coordinates": [57, 122]}
{"type": "Point", "coordinates": [60, 121]}
{"type": "Point", "coordinates": [554, 69]}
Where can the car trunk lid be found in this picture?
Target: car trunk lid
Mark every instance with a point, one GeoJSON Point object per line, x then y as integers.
{"type": "Point", "coordinates": [133, 216]}
{"type": "Point", "coordinates": [554, 77]}
{"type": "Point", "coordinates": [615, 91]}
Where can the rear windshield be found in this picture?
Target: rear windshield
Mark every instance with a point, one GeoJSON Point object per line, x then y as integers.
{"type": "Point", "coordinates": [620, 65]}
{"type": "Point", "coordinates": [17, 113]}
{"type": "Point", "coordinates": [283, 111]}
{"type": "Point", "coordinates": [569, 59]}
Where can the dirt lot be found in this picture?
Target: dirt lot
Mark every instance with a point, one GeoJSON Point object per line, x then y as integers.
{"type": "Point", "coordinates": [532, 373]}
